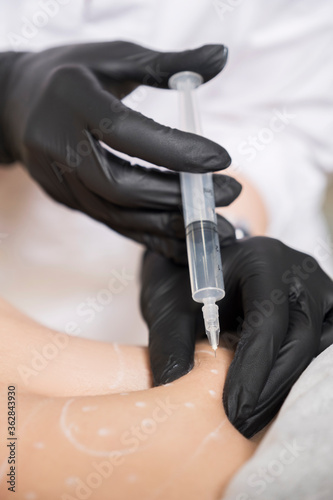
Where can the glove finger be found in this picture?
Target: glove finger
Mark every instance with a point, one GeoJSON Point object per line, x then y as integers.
{"type": "Point", "coordinates": [265, 325]}
{"type": "Point", "coordinates": [161, 232]}
{"type": "Point", "coordinates": [133, 186]}
{"type": "Point", "coordinates": [152, 229]}
{"type": "Point", "coordinates": [326, 338]}
{"type": "Point", "coordinates": [226, 231]}
{"type": "Point", "coordinates": [157, 223]}
{"type": "Point", "coordinates": [170, 248]}
{"type": "Point", "coordinates": [125, 61]}
{"type": "Point", "coordinates": [168, 227]}
{"type": "Point", "coordinates": [127, 185]}
{"type": "Point", "coordinates": [226, 189]}
{"type": "Point", "coordinates": [175, 248]}
{"type": "Point", "coordinates": [208, 61]}
{"type": "Point", "coordinates": [297, 351]}
{"type": "Point", "coordinates": [153, 223]}
{"type": "Point", "coordinates": [170, 314]}
{"type": "Point", "coordinates": [142, 137]}
{"type": "Point", "coordinates": [130, 132]}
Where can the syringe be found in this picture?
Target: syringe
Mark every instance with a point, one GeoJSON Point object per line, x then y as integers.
{"type": "Point", "coordinates": [203, 247]}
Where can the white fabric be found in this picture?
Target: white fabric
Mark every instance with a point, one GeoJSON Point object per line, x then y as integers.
{"type": "Point", "coordinates": [295, 458]}
{"type": "Point", "coordinates": [277, 88]}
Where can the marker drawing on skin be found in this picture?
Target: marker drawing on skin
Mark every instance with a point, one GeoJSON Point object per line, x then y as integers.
{"type": "Point", "coordinates": [30, 496]}
{"type": "Point", "coordinates": [189, 405]}
{"type": "Point", "coordinates": [214, 434]}
{"type": "Point", "coordinates": [39, 445]}
{"type": "Point", "coordinates": [3, 469]}
{"type": "Point", "coordinates": [207, 352]}
{"type": "Point", "coordinates": [72, 481]}
{"type": "Point", "coordinates": [103, 432]}
{"type": "Point", "coordinates": [89, 408]}
{"type": "Point", "coordinates": [140, 404]}
{"type": "Point", "coordinates": [67, 430]}
{"type": "Point", "coordinates": [120, 369]}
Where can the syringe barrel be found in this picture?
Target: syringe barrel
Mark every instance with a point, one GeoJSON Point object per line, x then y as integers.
{"type": "Point", "coordinates": [204, 261]}
{"type": "Point", "coordinates": [203, 247]}
{"type": "Point", "coordinates": [197, 189]}
{"type": "Point", "coordinates": [197, 197]}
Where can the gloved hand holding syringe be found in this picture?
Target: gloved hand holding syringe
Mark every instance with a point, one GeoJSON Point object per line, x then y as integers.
{"type": "Point", "coordinates": [203, 247]}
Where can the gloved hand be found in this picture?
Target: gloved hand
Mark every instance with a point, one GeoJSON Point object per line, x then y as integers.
{"type": "Point", "coordinates": [279, 301]}
{"type": "Point", "coordinates": [56, 105]}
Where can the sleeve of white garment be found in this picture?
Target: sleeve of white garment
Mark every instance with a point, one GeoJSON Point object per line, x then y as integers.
{"type": "Point", "coordinates": [275, 109]}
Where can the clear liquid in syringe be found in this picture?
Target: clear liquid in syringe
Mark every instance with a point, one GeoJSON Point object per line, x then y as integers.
{"type": "Point", "coordinates": [204, 260]}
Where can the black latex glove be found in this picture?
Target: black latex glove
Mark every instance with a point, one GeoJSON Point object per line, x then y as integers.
{"type": "Point", "coordinates": [278, 299]}
{"type": "Point", "coordinates": [57, 104]}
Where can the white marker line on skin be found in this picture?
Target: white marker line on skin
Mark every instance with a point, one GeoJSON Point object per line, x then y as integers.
{"type": "Point", "coordinates": [3, 466]}
{"type": "Point", "coordinates": [212, 393]}
{"type": "Point", "coordinates": [103, 432]}
{"type": "Point", "coordinates": [211, 436]}
{"type": "Point", "coordinates": [120, 370]}
{"type": "Point", "coordinates": [189, 405]}
{"type": "Point", "coordinates": [207, 352]}
{"type": "Point", "coordinates": [39, 445]}
{"type": "Point", "coordinates": [34, 411]}
{"type": "Point", "coordinates": [147, 422]}
{"type": "Point", "coordinates": [140, 404]}
{"type": "Point", "coordinates": [214, 371]}
{"type": "Point", "coordinates": [197, 360]}
{"type": "Point", "coordinates": [89, 408]}
{"type": "Point", "coordinates": [30, 496]}
{"type": "Point", "coordinates": [71, 481]}
{"type": "Point", "coordinates": [67, 431]}
{"type": "Point", "coordinates": [3, 469]}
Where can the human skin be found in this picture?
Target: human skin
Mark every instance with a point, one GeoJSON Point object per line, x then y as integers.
{"type": "Point", "coordinates": [90, 424]}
